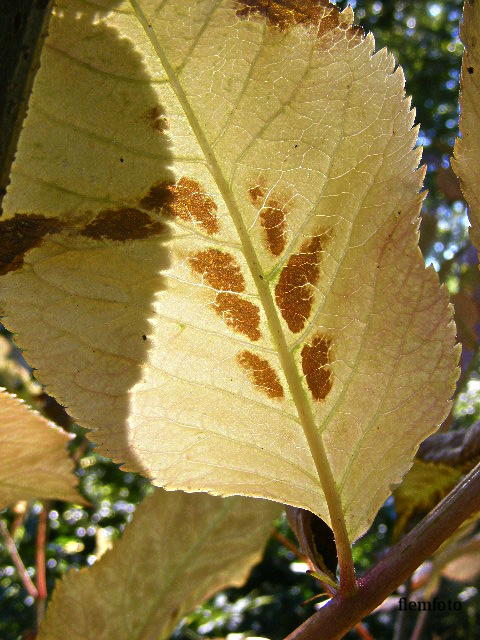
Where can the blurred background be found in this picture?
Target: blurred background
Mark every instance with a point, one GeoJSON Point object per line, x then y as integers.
{"type": "Point", "coordinates": [424, 37]}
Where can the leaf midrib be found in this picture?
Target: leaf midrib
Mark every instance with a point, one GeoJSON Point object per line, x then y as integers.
{"type": "Point", "coordinates": [289, 367]}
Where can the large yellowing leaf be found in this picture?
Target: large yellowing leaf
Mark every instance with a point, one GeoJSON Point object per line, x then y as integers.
{"type": "Point", "coordinates": [34, 462]}
{"type": "Point", "coordinates": [178, 550]}
{"type": "Point", "coordinates": [210, 250]}
{"type": "Point", "coordinates": [466, 160]}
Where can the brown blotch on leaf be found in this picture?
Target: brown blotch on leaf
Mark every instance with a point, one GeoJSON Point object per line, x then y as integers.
{"type": "Point", "coordinates": [186, 200]}
{"type": "Point", "coordinates": [315, 366]}
{"type": "Point", "coordinates": [272, 219]}
{"type": "Point", "coordinates": [220, 270]}
{"type": "Point", "coordinates": [239, 314]}
{"type": "Point", "coordinates": [257, 194]}
{"type": "Point", "coordinates": [123, 224]}
{"type": "Point", "coordinates": [158, 198]}
{"type": "Point", "coordinates": [283, 14]}
{"type": "Point", "coordinates": [157, 119]}
{"type": "Point", "coordinates": [295, 290]}
{"type": "Point", "coordinates": [262, 373]}
{"type": "Point", "coordinates": [20, 234]}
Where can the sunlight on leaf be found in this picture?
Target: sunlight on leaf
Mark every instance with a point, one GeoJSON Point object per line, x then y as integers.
{"type": "Point", "coordinates": [210, 250]}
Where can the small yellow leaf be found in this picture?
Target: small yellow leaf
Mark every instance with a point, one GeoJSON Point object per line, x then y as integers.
{"type": "Point", "coordinates": [34, 462]}
{"type": "Point", "coordinates": [465, 565]}
{"type": "Point", "coordinates": [178, 550]}
{"type": "Point", "coordinates": [422, 488]}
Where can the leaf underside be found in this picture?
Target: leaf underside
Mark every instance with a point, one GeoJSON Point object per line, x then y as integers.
{"type": "Point", "coordinates": [210, 250]}
{"type": "Point", "coordinates": [178, 550]}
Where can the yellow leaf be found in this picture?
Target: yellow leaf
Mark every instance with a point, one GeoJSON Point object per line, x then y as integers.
{"type": "Point", "coordinates": [210, 250]}
{"type": "Point", "coordinates": [464, 563]}
{"type": "Point", "coordinates": [34, 462]}
{"type": "Point", "coordinates": [466, 160]}
{"type": "Point", "coordinates": [422, 488]}
{"type": "Point", "coordinates": [178, 550]}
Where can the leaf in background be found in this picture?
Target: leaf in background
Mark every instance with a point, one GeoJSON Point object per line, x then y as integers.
{"type": "Point", "coordinates": [466, 160]}
{"type": "Point", "coordinates": [178, 550]}
{"type": "Point", "coordinates": [34, 462]}
{"type": "Point", "coordinates": [459, 448]}
{"type": "Point", "coordinates": [422, 488]}
{"type": "Point", "coordinates": [464, 562]}
{"type": "Point", "coordinates": [442, 459]}
{"type": "Point", "coordinates": [210, 250]}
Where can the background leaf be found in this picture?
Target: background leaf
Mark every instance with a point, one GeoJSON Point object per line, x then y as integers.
{"type": "Point", "coordinates": [466, 160]}
{"type": "Point", "coordinates": [34, 462]}
{"type": "Point", "coordinates": [178, 550]}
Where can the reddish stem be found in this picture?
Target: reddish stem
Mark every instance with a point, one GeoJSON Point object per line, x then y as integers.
{"type": "Point", "coordinates": [17, 561]}
{"type": "Point", "coordinates": [419, 625]}
{"type": "Point", "coordinates": [289, 545]}
{"type": "Point", "coordinates": [40, 561]}
{"type": "Point", "coordinates": [363, 632]}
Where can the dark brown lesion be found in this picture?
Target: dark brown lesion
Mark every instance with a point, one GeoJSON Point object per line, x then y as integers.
{"type": "Point", "coordinates": [295, 290]}
{"type": "Point", "coordinates": [262, 374]}
{"type": "Point", "coordinates": [222, 272]}
{"type": "Point", "coordinates": [159, 197]}
{"type": "Point", "coordinates": [157, 119]}
{"type": "Point", "coordinates": [316, 359]}
{"type": "Point", "coordinates": [284, 14]}
{"type": "Point", "coordinates": [123, 224]}
{"type": "Point", "coordinates": [187, 200]}
{"type": "Point", "coordinates": [273, 218]}
{"type": "Point", "coordinates": [20, 234]}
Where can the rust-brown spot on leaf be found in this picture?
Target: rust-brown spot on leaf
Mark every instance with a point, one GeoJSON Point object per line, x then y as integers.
{"type": "Point", "coordinates": [220, 270]}
{"type": "Point", "coordinates": [295, 289]}
{"type": "Point", "coordinates": [257, 194]}
{"type": "Point", "coordinates": [20, 234]}
{"type": "Point", "coordinates": [315, 366]}
{"type": "Point", "coordinates": [272, 218]}
{"type": "Point", "coordinates": [158, 198]}
{"type": "Point", "coordinates": [284, 14]}
{"type": "Point", "coordinates": [157, 119]}
{"type": "Point", "coordinates": [329, 22]}
{"type": "Point", "coordinates": [186, 200]}
{"type": "Point", "coordinates": [123, 224]}
{"type": "Point", "coordinates": [262, 373]}
{"type": "Point", "coordinates": [239, 314]}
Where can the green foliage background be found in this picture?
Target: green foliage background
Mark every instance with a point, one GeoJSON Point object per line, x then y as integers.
{"type": "Point", "coordinates": [424, 38]}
